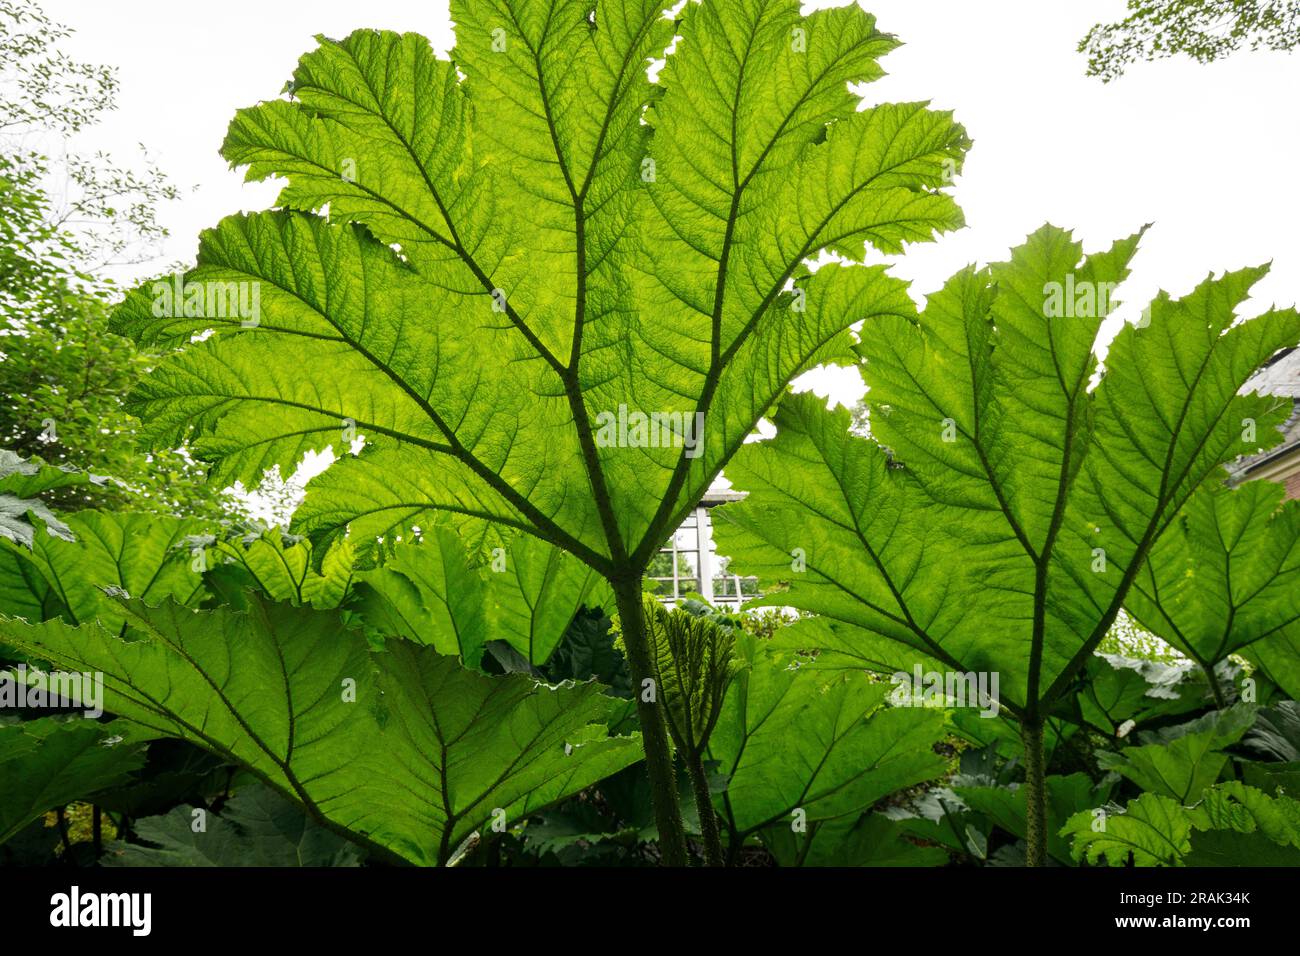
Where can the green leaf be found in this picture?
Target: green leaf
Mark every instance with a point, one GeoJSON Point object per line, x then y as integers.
{"type": "Point", "coordinates": [15, 509]}
{"type": "Point", "coordinates": [53, 761]}
{"type": "Point", "coordinates": [24, 592]}
{"type": "Point", "coordinates": [28, 477]}
{"type": "Point", "coordinates": [403, 748]}
{"type": "Point", "coordinates": [497, 285]}
{"type": "Point", "coordinates": [1012, 487]}
{"type": "Point", "coordinates": [829, 504]}
{"type": "Point", "coordinates": [434, 592]}
{"type": "Point", "coordinates": [691, 659]}
{"type": "Point", "coordinates": [1227, 848]}
{"type": "Point", "coordinates": [534, 597]}
{"type": "Point", "coordinates": [1005, 806]}
{"type": "Point", "coordinates": [21, 480]}
{"type": "Point", "coordinates": [1118, 690]}
{"type": "Point", "coordinates": [1235, 806]}
{"type": "Point", "coordinates": [256, 827]}
{"type": "Point", "coordinates": [1181, 762]}
{"type": "Point", "coordinates": [840, 646]}
{"type": "Point", "coordinates": [1273, 778]}
{"type": "Point", "coordinates": [588, 650]}
{"type": "Point", "coordinates": [1231, 825]}
{"type": "Point", "coordinates": [552, 294]}
{"type": "Point", "coordinates": [792, 738]}
{"type": "Point", "coordinates": [1276, 732]}
{"type": "Point", "coordinates": [606, 830]}
{"type": "Point", "coordinates": [141, 555]}
{"type": "Point", "coordinates": [1153, 830]}
{"type": "Point", "coordinates": [176, 772]}
{"type": "Point", "coordinates": [429, 594]}
{"type": "Point", "coordinates": [938, 816]}
{"type": "Point", "coordinates": [14, 523]}
{"type": "Point", "coordinates": [1002, 736]}
{"type": "Point", "coordinates": [1225, 579]}
{"type": "Point", "coordinates": [869, 840]}
{"type": "Point", "coordinates": [284, 569]}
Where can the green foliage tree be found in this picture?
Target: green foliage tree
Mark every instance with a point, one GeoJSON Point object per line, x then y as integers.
{"type": "Point", "coordinates": [532, 239]}
{"type": "Point", "coordinates": [1206, 30]}
{"type": "Point", "coordinates": [63, 374]}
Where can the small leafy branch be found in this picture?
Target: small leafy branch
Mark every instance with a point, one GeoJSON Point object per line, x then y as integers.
{"type": "Point", "coordinates": [1205, 30]}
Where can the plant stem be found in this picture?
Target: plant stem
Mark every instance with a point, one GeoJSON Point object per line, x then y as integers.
{"type": "Point", "coordinates": [1219, 701]}
{"type": "Point", "coordinates": [1031, 733]}
{"type": "Point", "coordinates": [807, 845]}
{"type": "Point", "coordinates": [735, 842]}
{"type": "Point", "coordinates": [654, 730]}
{"type": "Point", "coordinates": [704, 803]}
{"type": "Point", "coordinates": [62, 818]}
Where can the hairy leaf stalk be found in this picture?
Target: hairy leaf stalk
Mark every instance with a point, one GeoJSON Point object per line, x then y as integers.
{"type": "Point", "coordinates": [708, 818]}
{"type": "Point", "coordinates": [1031, 733]}
{"type": "Point", "coordinates": [654, 730]}
{"type": "Point", "coordinates": [1220, 701]}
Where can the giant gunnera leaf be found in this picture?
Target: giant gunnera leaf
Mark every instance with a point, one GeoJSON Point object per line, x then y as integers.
{"type": "Point", "coordinates": [1151, 831]}
{"type": "Point", "coordinates": [256, 827]}
{"type": "Point", "coordinates": [1231, 824]}
{"type": "Point", "coordinates": [1004, 505]}
{"type": "Point", "coordinates": [800, 746]}
{"type": "Point", "coordinates": [70, 577]}
{"type": "Point", "coordinates": [403, 750]}
{"type": "Point", "coordinates": [1012, 487]}
{"type": "Point", "coordinates": [437, 592]}
{"type": "Point", "coordinates": [551, 288]}
{"type": "Point", "coordinates": [281, 567]}
{"type": "Point", "coordinates": [26, 588]}
{"type": "Point", "coordinates": [1180, 762]}
{"type": "Point", "coordinates": [434, 589]}
{"type": "Point", "coordinates": [53, 761]}
{"type": "Point", "coordinates": [65, 572]}
{"type": "Point", "coordinates": [511, 253]}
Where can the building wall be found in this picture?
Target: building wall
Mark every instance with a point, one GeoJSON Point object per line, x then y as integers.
{"type": "Point", "coordinates": [689, 563]}
{"type": "Point", "coordinates": [1284, 470]}
{"type": "Point", "coordinates": [1280, 378]}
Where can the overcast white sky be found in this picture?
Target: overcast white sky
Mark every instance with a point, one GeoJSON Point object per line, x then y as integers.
{"type": "Point", "coordinates": [1209, 154]}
